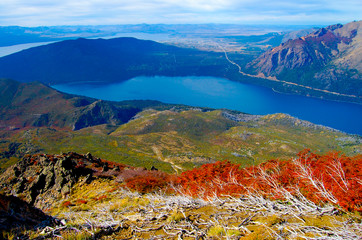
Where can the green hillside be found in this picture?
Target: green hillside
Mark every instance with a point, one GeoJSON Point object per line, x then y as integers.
{"type": "Point", "coordinates": [180, 140]}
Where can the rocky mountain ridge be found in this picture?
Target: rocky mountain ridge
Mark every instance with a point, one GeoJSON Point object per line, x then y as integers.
{"type": "Point", "coordinates": [42, 179]}
{"type": "Point", "coordinates": [329, 59]}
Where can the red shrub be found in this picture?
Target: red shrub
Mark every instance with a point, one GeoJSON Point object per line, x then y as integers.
{"type": "Point", "coordinates": [67, 204]}
{"type": "Point", "coordinates": [145, 184]}
{"type": "Point", "coordinates": [81, 201]}
{"type": "Point", "coordinates": [31, 179]}
{"type": "Point", "coordinates": [145, 181]}
{"type": "Point", "coordinates": [101, 197]}
{"type": "Point", "coordinates": [330, 178]}
{"type": "Point", "coordinates": [212, 179]}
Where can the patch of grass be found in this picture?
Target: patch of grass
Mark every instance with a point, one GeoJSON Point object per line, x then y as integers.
{"type": "Point", "coordinates": [75, 235]}
{"type": "Point", "coordinates": [119, 205]}
{"type": "Point", "coordinates": [323, 221]}
{"type": "Point", "coordinates": [258, 232]}
{"type": "Point", "coordinates": [216, 231]}
{"type": "Point", "coordinates": [10, 235]}
{"type": "Point", "coordinates": [233, 233]}
{"type": "Point", "coordinates": [271, 220]}
{"type": "Point", "coordinates": [175, 216]}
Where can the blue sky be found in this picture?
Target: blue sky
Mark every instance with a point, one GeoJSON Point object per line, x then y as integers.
{"type": "Point", "coordinates": [102, 12]}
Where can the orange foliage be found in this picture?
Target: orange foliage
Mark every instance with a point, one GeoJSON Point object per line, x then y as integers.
{"type": "Point", "coordinates": [81, 201]}
{"type": "Point", "coordinates": [101, 198]}
{"type": "Point", "coordinates": [148, 181]}
{"type": "Point", "coordinates": [332, 178]}
{"type": "Point", "coordinates": [67, 204]}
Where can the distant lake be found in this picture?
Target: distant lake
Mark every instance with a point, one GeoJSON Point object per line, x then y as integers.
{"type": "Point", "coordinates": [19, 47]}
{"type": "Point", "coordinates": [158, 37]}
{"type": "Point", "coordinates": [222, 93]}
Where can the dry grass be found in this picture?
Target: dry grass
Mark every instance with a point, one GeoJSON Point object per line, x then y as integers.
{"type": "Point", "coordinates": [157, 215]}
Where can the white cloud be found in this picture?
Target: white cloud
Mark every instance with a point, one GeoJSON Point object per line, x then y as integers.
{"type": "Point", "coordinates": [62, 12]}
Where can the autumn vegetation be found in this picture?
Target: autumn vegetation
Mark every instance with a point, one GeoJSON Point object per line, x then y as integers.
{"type": "Point", "coordinates": [331, 178]}
{"type": "Point", "coordinates": [310, 196]}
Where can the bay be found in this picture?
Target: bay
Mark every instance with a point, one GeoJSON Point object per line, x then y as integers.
{"type": "Point", "coordinates": [222, 93]}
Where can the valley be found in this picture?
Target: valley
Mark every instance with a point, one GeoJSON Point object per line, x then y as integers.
{"type": "Point", "coordinates": [104, 136]}
{"type": "Point", "coordinates": [130, 131]}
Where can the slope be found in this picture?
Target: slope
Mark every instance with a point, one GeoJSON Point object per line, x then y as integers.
{"type": "Point", "coordinates": [328, 59]}
{"type": "Point", "coordinates": [178, 140]}
{"type": "Point", "coordinates": [90, 198]}
{"type": "Point", "coordinates": [36, 105]}
{"type": "Point", "coordinates": [35, 118]}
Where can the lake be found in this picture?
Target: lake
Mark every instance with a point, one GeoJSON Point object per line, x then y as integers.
{"type": "Point", "coordinates": [7, 50]}
{"type": "Point", "coordinates": [222, 93]}
{"type": "Point", "coordinates": [19, 47]}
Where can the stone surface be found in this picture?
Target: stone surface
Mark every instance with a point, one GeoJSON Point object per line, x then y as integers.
{"type": "Point", "coordinates": [43, 179]}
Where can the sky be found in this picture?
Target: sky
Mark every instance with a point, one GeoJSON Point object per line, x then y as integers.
{"type": "Point", "coordinates": [109, 12]}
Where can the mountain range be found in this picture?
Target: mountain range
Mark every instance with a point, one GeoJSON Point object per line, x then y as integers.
{"type": "Point", "coordinates": [328, 59]}
{"type": "Point", "coordinates": [163, 177]}
{"type": "Point", "coordinates": [100, 60]}
{"type": "Point", "coordinates": [325, 63]}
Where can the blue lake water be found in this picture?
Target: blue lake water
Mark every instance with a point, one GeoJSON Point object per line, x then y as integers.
{"type": "Point", "coordinates": [222, 93]}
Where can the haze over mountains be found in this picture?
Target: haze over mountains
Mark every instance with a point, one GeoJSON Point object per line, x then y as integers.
{"type": "Point", "coordinates": [10, 35]}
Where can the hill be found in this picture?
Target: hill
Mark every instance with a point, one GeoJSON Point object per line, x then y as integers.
{"type": "Point", "coordinates": [328, 59]}
{"type": "Point", "coordinates": [36, 118]}
{"type": "Point", "coordinates": [37, 105]}
{"type": "Point", "coordinates": [100, 60]}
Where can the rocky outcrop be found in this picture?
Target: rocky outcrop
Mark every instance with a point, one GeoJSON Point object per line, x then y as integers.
{"type": "Point", "coordinates": [16, 213]}
{"type": "Point", "coordinates": [42, 179]}
{"type": "Point", "coordinates": [102, 112]}
{"type": "Point", "coordinates": [240, 117]}
{"type": "Point", "coordinates": [329, 59]}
